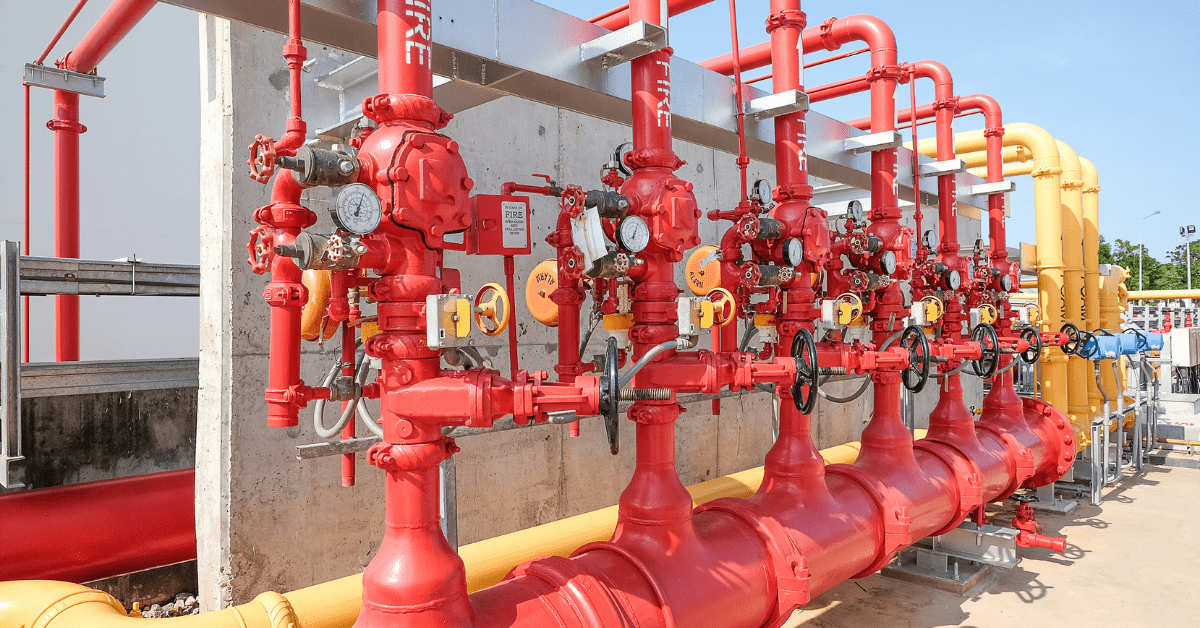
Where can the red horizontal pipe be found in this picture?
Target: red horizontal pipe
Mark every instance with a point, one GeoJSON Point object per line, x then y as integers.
{"type": "Point", "coordinates": [94, 530]}
{"type": "Point", "coordinates": [109, 30]}
{"type": "Point", "coordinates": [619, 17]}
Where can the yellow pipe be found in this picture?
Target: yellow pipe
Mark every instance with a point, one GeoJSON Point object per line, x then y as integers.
{"type": "Point", "coordinates": [1151, 295]}
{"type": "Point", "coordinates": [1110, 310]}
{"type": "Point", "coordinates": [1029, 283]}
{"type": "Point", "coordinates": [1091, 271]}
{"type": "Point", "coordinates": [335, 604]}
{"type": "Point", "coordinates": [1079, 370]}
{"type": "Point", "coordinates": [1011, 154]}
{"type": "Point", "coordinates": [1010, 170]}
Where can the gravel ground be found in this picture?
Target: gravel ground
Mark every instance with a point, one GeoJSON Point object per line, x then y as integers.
{"type": "Point", "coordinates": [184, 604]}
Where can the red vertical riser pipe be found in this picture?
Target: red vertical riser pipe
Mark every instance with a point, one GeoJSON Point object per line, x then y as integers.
{"type": "Point", "coordinates": [66, 129]}
{"type": "Point", "coordinates": [113, 25]}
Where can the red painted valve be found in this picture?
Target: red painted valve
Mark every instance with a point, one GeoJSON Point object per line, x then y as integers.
{"type": "Point", "coordinates": [262, 159]}
{"type": "Point", "coordinates": [261, 248]}
{"type": "Point", "coordinates": [1029, 529]}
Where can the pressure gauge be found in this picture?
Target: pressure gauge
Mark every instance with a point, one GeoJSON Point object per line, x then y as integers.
{"type": "Point", "coordinates": [1006, 282]}
{"type": "Point", "coordinates": [953, 280]}
{"type": "Point", "coordinates": [793, 251]}
{"type": "Point", "coordinates": [633, 234]}
{"type": "Point", "coordinates": [357, 209]}
{"type": "Point", "coordinates": [854, 211]}
{"type": "Point", "coordinates": [887, 262]}
{"type": "Point", "coordinates": [931, 242]}
{"type": "Point", "coordinates": [762, 189]}
{"type": "Point", "coordinates": [619, 156]}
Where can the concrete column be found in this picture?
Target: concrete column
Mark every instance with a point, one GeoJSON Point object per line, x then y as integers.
{"type": "Point", "coordinates": [264, 520]}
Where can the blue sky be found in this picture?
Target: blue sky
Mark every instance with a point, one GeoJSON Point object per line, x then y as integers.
{"type": "Point", "coordinates": [1117, 81]}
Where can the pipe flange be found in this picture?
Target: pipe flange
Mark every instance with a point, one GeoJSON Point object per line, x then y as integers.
{"type": "Point", "coordinates": [786, 17]}
{"type": "Point", "coordinates": [789, 567]}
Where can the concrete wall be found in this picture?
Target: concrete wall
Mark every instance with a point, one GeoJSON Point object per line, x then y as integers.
{"type": "Point", "coordinates": [266, 521]}
{"type": "Point", "coordinates": [80, 438]}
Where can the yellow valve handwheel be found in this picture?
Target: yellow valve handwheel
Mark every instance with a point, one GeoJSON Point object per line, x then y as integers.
{"type": "Point", "coordinates": [542, 282]}
{"type": "Point", "coordinates": [850, 309]}
{"type": "Point", "coordinates": [934, 308]}
{"type": "Point", "coordinates": [987, 314]}
{"type": "Point", "coordinates": [315, 313]}
{"type": "Point", "coordinates": [724, 307]}
{"type": "Point", "coordinates": [490, 296]}
{"type": "Point", "coordinates": [703, 279]}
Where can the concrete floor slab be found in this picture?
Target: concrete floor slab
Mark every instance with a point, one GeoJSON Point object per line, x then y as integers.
{"type": "Point", "coordinates": [1130, 562]}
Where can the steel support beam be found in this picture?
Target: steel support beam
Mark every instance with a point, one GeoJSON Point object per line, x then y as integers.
{"type": "Point", "coordinates": [525, 49]}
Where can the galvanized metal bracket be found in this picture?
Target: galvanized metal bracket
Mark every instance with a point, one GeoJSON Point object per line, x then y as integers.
{"type": "Point", "coordinates": [988, 544]}
{"type": "Point", "coordinates": [939, 168]}
{"type": "Point", "coordinates": [873, 142]}
{"type": "Point", "coordinates": [64, 80]}
{"type": "Point", "coordinates": [636, 40]}
{"type": "Point", "coordinates": [10, 361]}
{"type": "Point", "coordinates": [985, 189]}
{"type": "Point", "coordinates": [775, 105]}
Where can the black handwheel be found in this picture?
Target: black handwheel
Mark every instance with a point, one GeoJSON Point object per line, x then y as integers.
{"type": "Point", "coordinates": [1072, 343]}
{"type": "Point", "coordinates": [804, 390]}
{"type": "Point", "coordinates": [1031, 355]}
{"type": "Point", "coordinates": [916, 373]}
{"type": "Point", "coordinates": [1086, 348]}
{"type": "Point", "coordinates": [610, 397]}
{"type": "Point", "coordinates": [989, 350]}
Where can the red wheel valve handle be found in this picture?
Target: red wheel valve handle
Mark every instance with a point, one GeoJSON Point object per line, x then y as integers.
{"type": "Point", "coordinates": [261, 248]}
{"type": "Point", "coordinates": [262, 158]}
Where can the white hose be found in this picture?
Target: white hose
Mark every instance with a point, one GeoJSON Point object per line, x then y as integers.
{"type": "Point", "coordinates": [319, 409]}
{"type": "Point", "coordinates": [364, 414]}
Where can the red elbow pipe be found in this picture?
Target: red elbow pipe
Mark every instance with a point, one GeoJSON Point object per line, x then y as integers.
{"type": "Point", "coordinates": [94, 530]}
{"type": "Point", "coordinates": [110, 29]}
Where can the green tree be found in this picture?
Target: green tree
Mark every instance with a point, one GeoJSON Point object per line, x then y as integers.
{"type": "Point", "coordinates": [1178, 258]}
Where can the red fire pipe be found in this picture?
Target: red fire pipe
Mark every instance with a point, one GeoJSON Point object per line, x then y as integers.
{"type": "Point", "coordinates": [619, 17]}
{"type": "Point", "coordinates": [94, 530]}
{"type": "Point", "coordinates": [112, 26]}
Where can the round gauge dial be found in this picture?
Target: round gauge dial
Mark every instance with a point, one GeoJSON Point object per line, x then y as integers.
{"type": "Point", "coordinates": [793, 251]}
{"type": "Point", "coordinates": [953, 280]}
{"type": "Point", "coordinates": [854, 211]}
{"type": "Point", "coordinates": [357, 209]}
{"type": "Point", "coordinates": [931, 241]}
{"type": "Point", "coordinates": [633, 234]}
{"type": "Point", "coordinates": [1006, 282]}
{"type": "Point", "coordinates": [619, 156]}
{"type": "Point", "coordinates": [887, 262]}
{"type": "Point", "coordinates": [762, 189]}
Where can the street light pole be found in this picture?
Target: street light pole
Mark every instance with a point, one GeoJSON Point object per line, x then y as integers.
{"type": "Point", "coordinates": [1141, 246]}
{"type": "Point", "coordinates": [1188, 231]}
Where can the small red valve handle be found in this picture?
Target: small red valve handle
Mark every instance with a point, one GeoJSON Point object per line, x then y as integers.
{"type": "Point", "coordinates": [261, 248]}
{"type": "Point", "coordinates": [549, 181]}
{"type": "Point", "coordinates": [262, 158]}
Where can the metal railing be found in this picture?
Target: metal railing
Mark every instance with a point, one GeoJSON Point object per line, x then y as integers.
{"type": "Point", "coordinates": [37, 276]}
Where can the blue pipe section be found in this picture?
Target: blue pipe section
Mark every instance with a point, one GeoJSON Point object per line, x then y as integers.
{"type": "Point", "coordinates": [1111, 347]}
